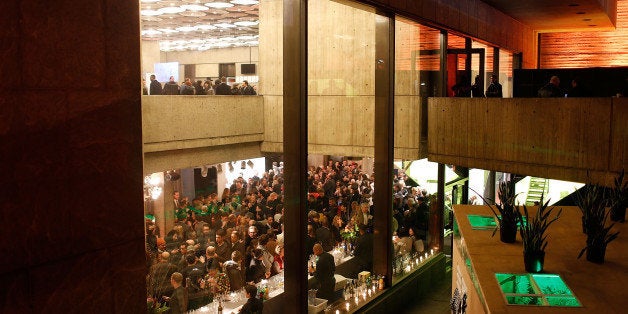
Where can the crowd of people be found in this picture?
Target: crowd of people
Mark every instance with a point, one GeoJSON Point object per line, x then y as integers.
{"type": "Point", "coordinates": [208, 87]}
{"type": "Point", "coordinates": [222, 243]}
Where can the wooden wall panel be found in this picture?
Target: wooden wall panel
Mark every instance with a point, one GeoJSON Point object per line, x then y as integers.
{"type": "Point", "coordinates": [588, 49]}
{"type": "Point", "coordinates": [619, 134]}
{"type": "Point", "coordinates": [555, 138]}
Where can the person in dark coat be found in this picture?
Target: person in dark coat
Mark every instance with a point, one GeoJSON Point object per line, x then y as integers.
{"type": "Point", "coordinates": [495, 89]}
{"type": "Point", "coordinates": [364, 250]}
{"type": "Point", "coordinates": [178, 301]}
{"type": "Point", "coordinates": [253, 305]}
{"type": "Point", "coordinates": [155, 86]}
{"type": "Point", "coordinates": [324, 274]}
{"type": "Point", "coordinates": [222, 88]}
{"type": "Point", "coordinates": [552, 89]}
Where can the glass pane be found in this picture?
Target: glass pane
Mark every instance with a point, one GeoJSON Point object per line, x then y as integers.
{"type": "Point", "coordinates": [524, 300]}
{"type": "Point", "coordinates": [341, 100]}
{"type": "Point", "coordinates": [515, 283]}
{"type": "Point", "coordinates": [551, 284]}
{"type": "Point", "coordinates": [563, 301]}
{"type": "Point", "coordinates": [505, 72]}
{"type": "Point", "coordinates": [479, 222]}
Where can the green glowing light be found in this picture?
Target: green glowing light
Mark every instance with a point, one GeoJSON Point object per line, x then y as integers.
{"type": "Point", "coordinates": [480, 222]}
{"type": "Point", "coordinates": [536, 289]}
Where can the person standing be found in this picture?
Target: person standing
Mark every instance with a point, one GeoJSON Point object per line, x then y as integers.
{"type": "Point", "coordinates": [247, 89]}
{"type": "Point", "coordinates": [476, 88]}
{"type": "Point", "coordinates": [187, 88]}
{"type": "Point", "coordinates": [222, 88]}
{"type": "Point", "coordinates": [324, 273]}
{"type": "Point", "coordinates": [171, 88]}
{"type": "Point", "coordinates": [155, 86]}
{"type": "Point", "coordinates": [178, 300]}
{"type": "Point", "coordinates": [552, 89]}
{"type": "Point", "coordinates": [253, 304]}
{"type": "Point", "coordinates": [495, 89]}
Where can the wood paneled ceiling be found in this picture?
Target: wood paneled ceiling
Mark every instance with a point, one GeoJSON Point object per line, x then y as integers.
{"type": "Point", "coordinates": [560, 15]}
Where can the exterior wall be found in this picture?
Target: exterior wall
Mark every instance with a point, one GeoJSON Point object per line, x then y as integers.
{"type": "Point", "coordinates": [588, 49]}
{"type": "Point", "coordinates": [70, 140]}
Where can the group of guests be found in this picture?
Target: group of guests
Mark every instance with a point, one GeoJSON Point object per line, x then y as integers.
{"type": "Point", "coordinates": [208, 87]}
{"type": "Point", "coordinates": [221, 243]}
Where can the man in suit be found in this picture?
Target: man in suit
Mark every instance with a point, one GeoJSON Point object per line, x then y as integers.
{"type": "Point", "coordinates": [155, 86]}
{"type": "Point", "coordinates": [222, 88]}
{"type": "Point", "coordinates": [324, 273]}
{"type": "Point", "coordinates": [178, 300]}
{"type": "Point", "coordinates": [364, 250]}
{"type": "Point", "coordinates": [253, 304]}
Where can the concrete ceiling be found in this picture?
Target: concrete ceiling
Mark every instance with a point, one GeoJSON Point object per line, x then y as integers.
{"type": "Point", "coordinates": [560, 15]}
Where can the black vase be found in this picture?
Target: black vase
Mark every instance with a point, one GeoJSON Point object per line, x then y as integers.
{"type": "Point", "coordinates": [508, 232]}
{"type": "Point", "coordinates": [533, 261]}
{"type": "Point", "coordinates": [595, 254]}
{"type": "Point", "coordinates": [618, 213]}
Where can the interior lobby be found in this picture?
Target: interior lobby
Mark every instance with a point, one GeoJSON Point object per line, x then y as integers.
{"type": "Point", "coordinates": [372, 80]}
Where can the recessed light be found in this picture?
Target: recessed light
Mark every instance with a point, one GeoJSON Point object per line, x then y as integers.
{"type": "Point", "coordinates": [592, 25]}
{"type": "Point", "coordinates": [574, 5]}
{"type": "Point", "coordinates": [581, 12]}
{"type": "Point", "coordinates": [586, 20]}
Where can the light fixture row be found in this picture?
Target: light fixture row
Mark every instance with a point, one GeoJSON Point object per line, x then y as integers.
{"type": "Point", "coordinates": [202, 27]}
{"type": "Point", "coordinates": [194, 7]}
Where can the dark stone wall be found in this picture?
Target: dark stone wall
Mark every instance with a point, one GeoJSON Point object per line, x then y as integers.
{"type": "Point", "coordinates": [71, 211]}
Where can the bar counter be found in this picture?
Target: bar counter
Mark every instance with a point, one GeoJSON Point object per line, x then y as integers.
{"type": "Point", "coordinates": [477, 257]}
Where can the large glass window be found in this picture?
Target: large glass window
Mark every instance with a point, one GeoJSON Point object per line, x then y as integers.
{"type": "Point", "coordinates": [505, 72]}
{"type": "Point", "coordinates": [341, 123]}
{"type": "Point", "coordinates": [417, 66]}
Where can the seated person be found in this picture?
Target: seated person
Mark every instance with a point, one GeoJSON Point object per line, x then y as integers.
{"type": "Point", "coordinates": [253, 305]}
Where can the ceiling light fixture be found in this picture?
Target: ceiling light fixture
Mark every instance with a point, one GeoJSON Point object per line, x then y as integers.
{"type": "Point", "coordinates": [171, 10]}
{"type": "Point", "coordinates": [150, 12]}
{"type": "Point", "coordinates": [195, 7]}
{"type": "Point", "coordinates": [244, 2]}
{"type": "Point", "coordinates": [246, 23]}
{"type": "Point", "coordinates": [224, 25]}
{"type": "Point", "coordinates": [218, 4]}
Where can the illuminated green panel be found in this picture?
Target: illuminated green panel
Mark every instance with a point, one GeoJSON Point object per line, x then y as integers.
{"type": "Point", "coordinates": [563, 301]}
{"type": "Point", "coordinates": [536, 289]}
{"type": "Point", "coordinates": [551, 284]}
{"type": "Point", "coordinates": [479, 222]}
{"type": "Point", "coordinates": [515, 284]}
{"type": "Point", "coordinates": [524, 300]}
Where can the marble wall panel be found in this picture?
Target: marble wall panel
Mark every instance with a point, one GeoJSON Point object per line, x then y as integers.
{"type": "Point", "coordinates": [62, 44]}
{"type": "Point", "coordinates": [78, 284]}
{"type": "Point", "coordinates": [9, 45]}
{"type": "Point", "coordinates": [14, 295]}
{"type": "Point", "coordinates": [126, 263]}
{"type": "Point", "coordinates": [121, 39]}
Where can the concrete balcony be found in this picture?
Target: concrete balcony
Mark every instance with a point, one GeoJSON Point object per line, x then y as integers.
{"type": "Point", "coordinates": [574, 139]}
{"type": "Point", "coordinates": [187, 131]}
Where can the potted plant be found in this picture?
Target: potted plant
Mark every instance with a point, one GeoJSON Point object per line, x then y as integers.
{"type": "Point", "coordinates": [588, 199]}
{"type": "Point", "coordinates": [619, 199]}
{"type": "Point", "coordinates": [534, 237]}
{"type": "Point", "coordinates": [598, 235]}
{"type": "Point", "coordinates": [508, 214]}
